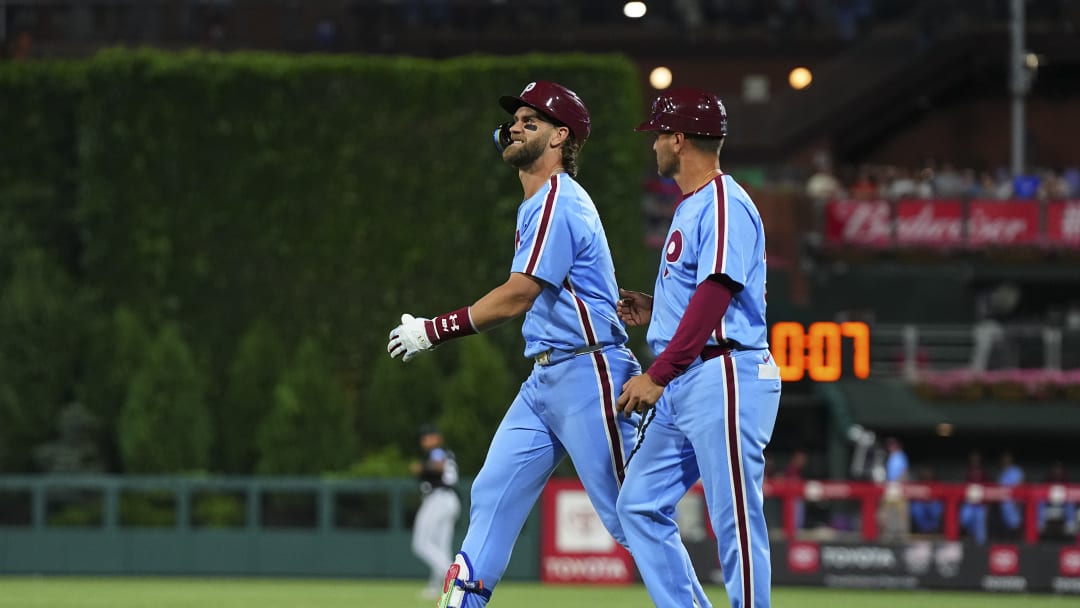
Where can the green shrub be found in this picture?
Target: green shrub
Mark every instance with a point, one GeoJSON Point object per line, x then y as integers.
{"type": "Point", "coordinates": [310, 429]}
{"type": "Point", "coordinates": [165, 426]}
{"type": "Point", "coordinates": [148, 509]}
{"type": "Point", "coordinates": [39, 344]}
{"type": "Point", "coordinates": [256, 369]}
{"type": "Point", "coordinates": [475, 400]}
{"type": "Point", "coordinates": [213, 510]}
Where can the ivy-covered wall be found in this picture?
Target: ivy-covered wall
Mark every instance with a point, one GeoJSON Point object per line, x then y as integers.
{"type": "Point", "coordinates": [239, 230]}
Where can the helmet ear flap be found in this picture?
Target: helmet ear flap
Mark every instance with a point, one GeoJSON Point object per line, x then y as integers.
{"type": "Point", "coordinates": [502, 136]}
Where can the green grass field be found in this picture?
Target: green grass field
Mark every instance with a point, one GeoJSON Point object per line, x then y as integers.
{"type": "Point", "coordinates": [286, 593]}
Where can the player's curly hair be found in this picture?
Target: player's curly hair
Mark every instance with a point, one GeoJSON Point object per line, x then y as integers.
{"type": "Point", "coordinates": [570, 150]}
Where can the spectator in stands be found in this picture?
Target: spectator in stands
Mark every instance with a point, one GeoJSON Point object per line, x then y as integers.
{"type": "Point", "coordinates": [949, 183]}
{"type": "Point", "coordinates": [1012, 515]}
{"type": "Point", "coordinates": [1057, 517]}
{"type": "Point", "coordinates": [893, 515]}
{"type": "Point", "coordinates": [1072, 316]}
{"type": "Point", "coordinates": [993, 309]}
{"type": "Point", "coordinates": [969, 181]}
{"type": "Point", "coordinates": [1071, 176]}
{"type": "Point", "coordinates": [795, 466]}
{"type": "Point", "coordinates": [1053, 187]}
{"type": "Point", "coordinates": [925, 184]}
{"type": "Point", "coordinates": [823, 184]}
{"type": "Point", "coordinates": [926, 514]}
{"type": "Point", "coordinates": [973, 512]}
{"type": "Point", "coordinates": [794, 472]}
{"type": "Point", "coordinates": [1026, 186]}
{"type": "Point", "coordinates": [901, 184]}
{"type": "Point", "coordinates": [991, 189]}
{"type": "Point", "coordinates": [896, 465]}
{"type": "Point", "coordinates": [865, 187]}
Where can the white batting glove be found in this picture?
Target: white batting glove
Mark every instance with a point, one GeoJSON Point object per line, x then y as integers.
{"type": "Point", "coordinates": [410, 338]}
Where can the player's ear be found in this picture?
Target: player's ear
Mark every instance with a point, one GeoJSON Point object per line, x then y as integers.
{"type": "Point", "coordinates": [678, 138]}
{"type": "Point", "coordinates": [559, 135]}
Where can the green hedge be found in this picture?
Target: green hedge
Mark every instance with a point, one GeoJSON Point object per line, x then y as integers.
{"type": "Point", "coordinates": [321, 196]}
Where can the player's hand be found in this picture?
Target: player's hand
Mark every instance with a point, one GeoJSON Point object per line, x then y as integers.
{"type": "Point", "coordinates": [410, 338]}
{"type": "Point", "coordinates": [639, 394]}
{"type": "Point", "coordinates": [634, 307]}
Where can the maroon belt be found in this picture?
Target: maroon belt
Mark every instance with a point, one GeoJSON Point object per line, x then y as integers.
{"type": "Point", "coordinates": [712, 351]}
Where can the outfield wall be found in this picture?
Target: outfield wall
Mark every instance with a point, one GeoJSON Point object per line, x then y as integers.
{"type": "Point", "coordinates": [120, 525]}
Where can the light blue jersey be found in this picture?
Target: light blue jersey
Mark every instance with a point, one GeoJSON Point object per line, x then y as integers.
{"type": "Point", "coordinates": [716, 231]}
{"type": "Point", "coordinates": [567, 404]}
{"type": "Point", "coordinates": [713, 421]}
{"type": "Point", "coordinates": [561, 241]}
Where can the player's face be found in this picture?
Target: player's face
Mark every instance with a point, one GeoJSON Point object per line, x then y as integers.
{"type": "Point", "coordinates": [529, 138]}
{"type": "Point", "coordinates": [430, 441]}
{"type": "Point", "coordinates": [667, 163]}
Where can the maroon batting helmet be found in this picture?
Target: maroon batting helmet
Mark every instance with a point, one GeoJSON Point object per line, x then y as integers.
{"type": "Point", "coordinates": [687, 110]}
{"type": "Point", "coordinates": [554, 101]}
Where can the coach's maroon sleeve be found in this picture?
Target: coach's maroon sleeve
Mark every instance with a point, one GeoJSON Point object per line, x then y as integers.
{"type": "Point", "coordinates": [703, 315]}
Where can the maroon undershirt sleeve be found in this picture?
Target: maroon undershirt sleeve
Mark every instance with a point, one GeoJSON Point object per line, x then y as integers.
{"type": "Point", "coordinates": [703, 315]}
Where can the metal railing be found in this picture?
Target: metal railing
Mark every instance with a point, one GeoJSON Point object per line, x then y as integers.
{"type": "Point", "coordinates": [326, 504]}
{"type": "Point", "coordinates": [903, 350]}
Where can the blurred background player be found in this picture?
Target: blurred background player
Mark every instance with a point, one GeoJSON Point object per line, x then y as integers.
{"type": "Point", "coordinates": [893, 514]}
{"type": "Point", "coordinates": [973, 511]}
{"type": "Point", "coordinates": [433, 528]}
{"type": "Point", "coordinates": [1012, 516]}
{"type": "Point", "coordinates": [563, 279]}
{"type": "Point", "coordinates": [714, 384]}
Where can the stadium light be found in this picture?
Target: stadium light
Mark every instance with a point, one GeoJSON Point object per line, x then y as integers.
{"type": "Point", "coordinates": [660, 78]}
{"type": "Point", "coordinates": [634, 10]}
{"type": "Point", "coordinates": [800, 78]}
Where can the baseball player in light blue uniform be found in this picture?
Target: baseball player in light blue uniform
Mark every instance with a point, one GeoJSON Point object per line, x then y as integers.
{"type": "Point", "coordinates": [714, 385]}
{"type": "Point", "coordinates": [563, 279]}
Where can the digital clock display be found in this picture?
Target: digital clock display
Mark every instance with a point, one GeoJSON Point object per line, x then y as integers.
{"type": "Point", "coordinates": [825, 351]}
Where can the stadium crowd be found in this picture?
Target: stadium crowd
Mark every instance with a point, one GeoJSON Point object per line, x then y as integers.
{"type": "Point", "coordinates": [933, 179]}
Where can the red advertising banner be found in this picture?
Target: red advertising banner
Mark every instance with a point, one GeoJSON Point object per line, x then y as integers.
{"type": "Point", "coordinates": [1063, 223]}
{"type": "Point", "coordinates": [1003, 223]}
{"type": "Point", "coordinates": [929, 223]}
{"type": "Point", "coordinates": [863, 223]}
{"type": "Point", "coordinates": [575, 547]}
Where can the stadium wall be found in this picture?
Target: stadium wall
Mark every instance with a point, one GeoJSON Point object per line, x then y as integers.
{"type": "Point", "coordinates": [182, 526]}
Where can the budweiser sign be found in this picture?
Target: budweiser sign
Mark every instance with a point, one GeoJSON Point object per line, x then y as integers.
{"type": "Point", "coordinates": [951, 223]}
{"type": "Point", "coordinates": [1063, 223]}
{"type": "Point", "coordinates": [1003, 223]}
{"type": "Point", "coordinates": [866, 223]}
{"type": "Point", "coordinates": [929, 223]}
